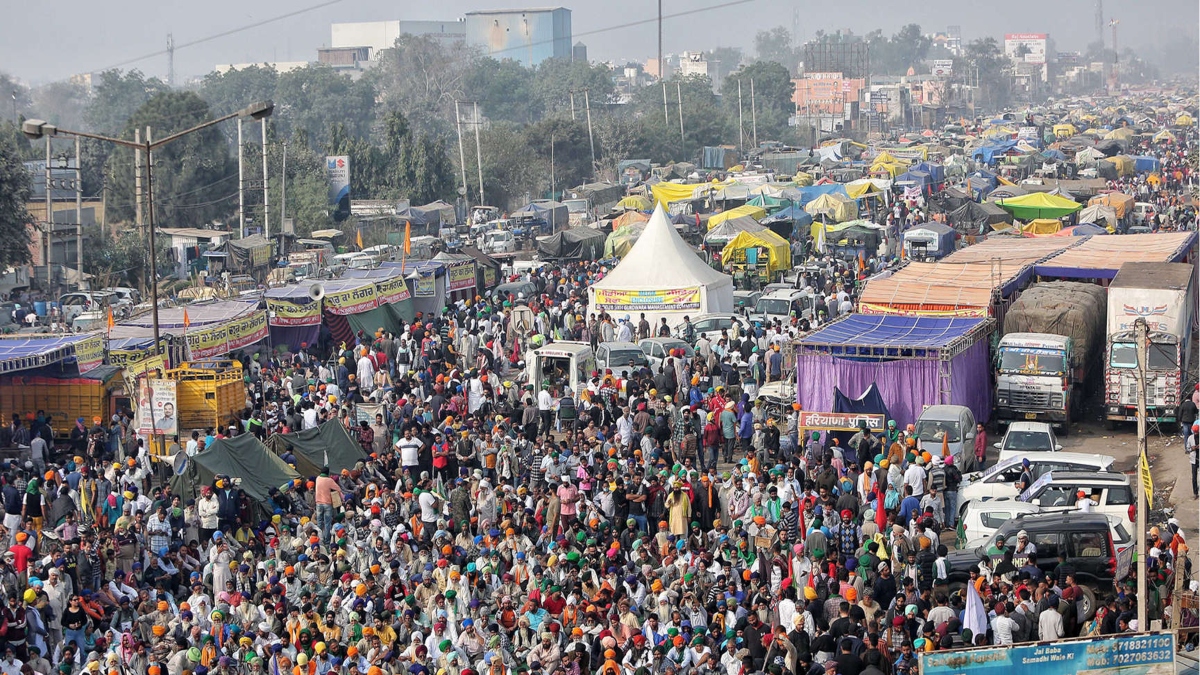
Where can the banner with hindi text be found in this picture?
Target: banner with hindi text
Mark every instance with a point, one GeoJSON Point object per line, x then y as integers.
{"type": "Point", "coordinates": [461, 275]}
{"type": "Point", "coordinates": [391, 291]}
{"type": "Point", "coordinates": [287, 313]}
{"type": "Point", "coordinates": [89, 353]}
{"type": "Point", "coordinates": [669, 300]}
{"type": "Point", "coordinates": [352, 301]}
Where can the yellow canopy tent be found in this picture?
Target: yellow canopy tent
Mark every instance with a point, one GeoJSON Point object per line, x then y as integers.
{"type": "Point", "coordinates": [1164, 135]}
{"type": "Point", "coordinates": [1041, 227]}
{"type": "Point", "coordinates": [622, 239]}
{"type": "Point", "coordinates": [803, 179]}
{"type": "Point", "coordinates": [665, 193]}
{"type": "Point", "coordinates": [779, 253]}
{"type": "Point", "coordinates": [892, 169]}
{"type": "Point", "coordinates": [862, 187]}
{"type": "Point", "coordinates": [886, 157]}
{"type": "Point", "coordinates": [1124, 164]}
{"type": "Point", "coordinates": [755, 212]}
{"type": "Point", "coordinates": [1184, 120]}
{"type": "Point", "coordinates": [836, 208]}
{"type": "Point", "coordinates": [635, 203]}
{"type": "Point", "coordinates": [1065, 130]}
{"type": "Point", "coordinates": [1119, 134]}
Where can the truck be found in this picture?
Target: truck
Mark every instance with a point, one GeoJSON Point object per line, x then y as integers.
{"type": "Point", "coordinates": [1051, 339]}
{"type": "Point", "coordinates": [65, 397]}
{"type": "Point", "coordinates": [588, 202]}
{"type": "Point", "coordinates": [1163, 294]}
{"type": "Point", "coordinates": [209, 394]}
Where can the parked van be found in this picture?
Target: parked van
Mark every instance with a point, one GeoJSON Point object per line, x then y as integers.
{"type": "Point", "coordinates": [354, 261]}
{"type": "Point", "coordinates": [954, 423]}
{"type": "Point", "coordinates": [561, 363]}
{"type": "Point", "coordinates": [499, 241]}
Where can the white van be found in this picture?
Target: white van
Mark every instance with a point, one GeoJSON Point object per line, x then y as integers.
{"type": "Point", "coordinates": [499, 241]}
{"type": "Point", "coordinates": [354, 261]}
{"type": "Point", "coordinates": [561, 363]}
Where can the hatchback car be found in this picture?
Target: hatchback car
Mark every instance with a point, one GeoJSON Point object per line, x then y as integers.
{"type": "Point", "coordinates": [1026, 437]}
{"type": "Point", "coordinates": [621, 357]}
{"type": "Point", "coordinates": [657, 349]}
{"type": "Point", "coordinates": [709, 326]}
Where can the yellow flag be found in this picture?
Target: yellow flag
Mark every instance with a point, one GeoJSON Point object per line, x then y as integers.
{"type": "Point", "coordinates": [111, 323]}
{"type": "Point", "coordinates": [358, 239]}
{"type": "Point", "coordinates": [1147, 480]}
{"type": "Point", "coordinates": [407, 237]}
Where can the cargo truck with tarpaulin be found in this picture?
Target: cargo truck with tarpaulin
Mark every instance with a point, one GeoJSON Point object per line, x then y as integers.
{"type": "Point", "coordinates": [1163, 294]}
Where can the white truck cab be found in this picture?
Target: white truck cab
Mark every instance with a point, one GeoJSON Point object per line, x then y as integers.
{"type": "Point", "coordinates": [561, 363]}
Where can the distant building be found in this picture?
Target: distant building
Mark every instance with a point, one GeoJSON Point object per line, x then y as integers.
{"type": "Point", "coordinates": [527, 36]}
{"type": "Point", "coordinates": [377, 36]}
{"type": "Point", "coordinates": [344, 58]}
{"type": "Point", "coordinates": [693, 63]}
{"type": "Point", "coordinates": [579, 52]}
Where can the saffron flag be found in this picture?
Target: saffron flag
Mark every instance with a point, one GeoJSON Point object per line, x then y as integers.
{"type": "Point", "coordinates": [407, 238]}
{"type": "Point", "coordinates": [186, 321]}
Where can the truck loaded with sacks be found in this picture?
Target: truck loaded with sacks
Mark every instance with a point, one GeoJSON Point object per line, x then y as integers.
{"type": "Point", "coordinates": [1052, 337]}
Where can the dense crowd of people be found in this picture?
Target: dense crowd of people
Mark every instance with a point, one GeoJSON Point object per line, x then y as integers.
{"type": "Point", "coordinates": [664, 522]}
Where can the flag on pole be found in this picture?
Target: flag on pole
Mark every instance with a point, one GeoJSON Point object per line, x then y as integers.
{"type": "Point", "coordinates": [407, 238]}
{"type": "Point", "coordinates": [186, 321]}
{"type": "Point", "coordinates": [1147, 479]}
{"type": "Point", "coordinates": [358, 238]}
{"type": "Point", "coordinates": [975, 618]}
{"type": "Point", "coordinates": [111, 323]}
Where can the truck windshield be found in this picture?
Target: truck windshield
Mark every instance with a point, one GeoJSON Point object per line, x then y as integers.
{"type": "Point", "coordinates": [1162, 356]}
{"type": "Point", "coordinates": [1032, 361]}
{"type": "Point", "coordinates": [576, 205]}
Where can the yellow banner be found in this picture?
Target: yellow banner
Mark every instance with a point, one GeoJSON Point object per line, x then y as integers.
{"type": "Point", "coordinates": [391, 291]}
{"type": "Point", "coordinates": [1147, 480]}
{"type": "Point", "coordinates": [670, 300]}
{"type": "Point", "coordinates": [352, 301]}
{"type": "Point", "coordinates": [225, 337]}
{"type": "Point", "coordinates": [288, 313]}
{"type": "Point", "coordinates": [462, 275]}
{"type": "Point", "coordinates": [137, 361]}
{"type": "Point", "coordinates": [871, 308]}
{"type": "Point", "coordinates": [89, 353]}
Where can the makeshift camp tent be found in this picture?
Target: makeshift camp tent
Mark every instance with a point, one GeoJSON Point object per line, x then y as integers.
{"type": "Point", "coordinates": [726, 231]}
{"type": "Point", "coordinates": [550, 215]}
{"type": "Point", "coordinates": [327, 445]}
{"type": "Point", "coordinates": [1039, 205]}
{"type": "Point", "coordinates": [754, 212]}
{"type": "Point", "coordinates": [1084, 230]}
{"type": "Point", "coordinates": [929, 241]}
{"type": "Point", "coordinates": [578, 243]}
{"type": "Point", "coordinates": [621, 241]}
{"type": "Point", "coordinates": [779, 252]}
{"type": "Point", "coordinates": [1121, 203]}
{"type": "Point", "coordinates": [663, 277]}
{"type": "Point", "coordinates": [833, 207]}
{"type": "Point", "coordinates": [1164, 136]}
{"type": "Point", "coordinates": [1042, 227]}
{"type": "Point", "coordinates": [242, 457]}
{"type": "Point", "coordinates": [1105, 216]}
{"type": "Point", "coordinates": [634, 203]}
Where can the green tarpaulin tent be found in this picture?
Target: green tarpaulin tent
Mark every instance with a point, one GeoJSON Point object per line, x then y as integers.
{"type": "Point", "coordinates": [327, 445]}
{"type": "Point", "coordinates": [241, 457]}
{"type": "Point", "coordinates": [1038, 205]}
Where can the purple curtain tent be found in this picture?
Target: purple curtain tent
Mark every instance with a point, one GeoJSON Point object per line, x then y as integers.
{"type": "Point", "coordinates": [905, 384]}
{"type": "Point", "coordinates": [292, 336]}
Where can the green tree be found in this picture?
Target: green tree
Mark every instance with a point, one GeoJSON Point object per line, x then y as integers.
{"type": "Point", "coordinates": [235, 89]}
{"type": "Point", "coordinates": [773, 104]}
{"type": "Point", "coordinates": [417, 167]}
{"type": "Point", "coordinates": [195, 181]}
{"type": "Point", "coordinates": [17, 100]}
{"type": "Point", "coordinates": [422, 77]}
{"type": "Point", "coordinates": [307, 188]}
{"type": "Point", "coordinates": [776, 45]}
{"type": "Point", "coordinates": [704, 121]}
{"type": "Point", "coordinates": [14, 219]}
{"type": "Point", "coordinates": [510, 167]}
{"type": "Point", "coordinates": [367, 162]}
{"type": "Point", "coordinates": [115, 98]}
{"type": "Point", "coordinates": [984, 62]}
{"type": "Point", "coordinates": [315, 98]}
{"type": "Point", "coordinates": [572, 151]}
{"type": "Point", "coordinates": [725, 60]}
{"type": "Point", "coordinates": [123, 260]}
{"type": "Point", "coordinates": [555, 79]}
{"type": "Point", "coordinates": [65, 103]}
{"type": "Point", "coordinates": [504, 88]}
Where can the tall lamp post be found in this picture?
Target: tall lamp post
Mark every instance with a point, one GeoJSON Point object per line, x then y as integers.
{"type": "Point", "coordinates": [35, 129]}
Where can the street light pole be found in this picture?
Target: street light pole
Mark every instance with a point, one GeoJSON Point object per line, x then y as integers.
{"type": "Point", "coordinates": [35, 129]}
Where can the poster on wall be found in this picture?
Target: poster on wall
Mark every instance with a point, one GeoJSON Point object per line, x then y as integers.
{"type": "Point", "coordinates": [156, 407]}
{"type": "Point", "coordinates": [426, 287]}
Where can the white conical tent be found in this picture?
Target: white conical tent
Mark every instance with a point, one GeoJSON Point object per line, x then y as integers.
{"type": "Point", "coordinates": [662, 277]}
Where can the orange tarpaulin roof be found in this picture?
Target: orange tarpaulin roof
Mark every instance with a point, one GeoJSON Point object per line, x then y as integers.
{"type": "Point", "coordinates": [1105, 253]}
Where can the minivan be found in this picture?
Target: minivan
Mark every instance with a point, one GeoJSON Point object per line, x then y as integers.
{"type": "Point", "coordinates": [952, 424]}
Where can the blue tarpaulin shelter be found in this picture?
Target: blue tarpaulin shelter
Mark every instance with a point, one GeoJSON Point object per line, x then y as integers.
{"type": "Point", "coordinates": [988, 153]}
{"type": "Point", "coordinates": [1144, 164]}
{"type": "Point", "coordinates": [25, 353]}
{"type": "Point", "coordinates": [910, 359]}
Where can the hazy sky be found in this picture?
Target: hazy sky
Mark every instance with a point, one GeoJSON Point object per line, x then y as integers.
{"type": "Point", "coordinates": [84, 35]}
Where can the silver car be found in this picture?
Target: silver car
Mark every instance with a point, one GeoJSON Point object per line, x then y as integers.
{"type": "Point", "coordinates": [656, 350]}
{"type": "Point", "coordinates": [619, 356]}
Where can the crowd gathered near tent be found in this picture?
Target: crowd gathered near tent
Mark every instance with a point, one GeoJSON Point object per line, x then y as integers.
{"type": "Point", "coordinates": [407, 502]}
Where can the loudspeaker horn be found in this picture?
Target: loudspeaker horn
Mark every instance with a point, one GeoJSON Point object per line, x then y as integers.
{"type": "Point", "coordinates": [316, 292]}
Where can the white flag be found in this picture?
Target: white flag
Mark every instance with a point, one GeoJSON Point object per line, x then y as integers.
{"type": "Point", "coordinates": [975, 618]}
